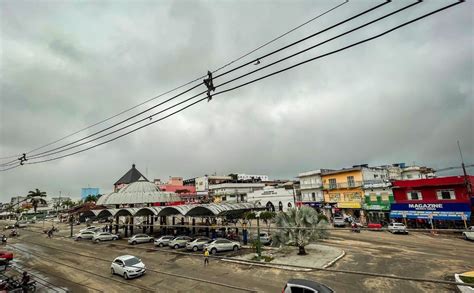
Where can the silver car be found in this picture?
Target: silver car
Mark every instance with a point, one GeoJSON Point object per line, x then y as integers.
{"type": "Point", "coordinates": [84, 235]}
{"type": "Point", "coordinates": [91, 229]}
{"type": "Point", "coordinates": [140, 238]}
{"type": "Point", "coordinates": [104, 236]}
{"type": "Point", "coordinates": [265, 238]}
{"type": "Point", "coordinates": [163, 241]}
{"type": "Point", "coordinates": [221, 244]}
{"type": "Point", "coordinates": [197, 244]}
{"type": "Point", "coordinates": [179, 242]}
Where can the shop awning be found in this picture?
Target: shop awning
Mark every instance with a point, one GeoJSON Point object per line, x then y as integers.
{"type": "Point", "coordinates": [349, 205]}
{"type": "Point", "coordinates": [394, 214]}
{"type": "Point", "coordinates": [435, 211]}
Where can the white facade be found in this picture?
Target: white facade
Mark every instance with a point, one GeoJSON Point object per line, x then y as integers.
{"type": "Point", "coordinates": [416, 172]}
{"type": "Point", "coordinates": [202, 183]}
{"type": "Point", "coordinates": [311, 186]}
{"type": "Point", "coordinates": [250, 177]}
{"type": "Point", "coordinates": [275, 199]}
{"type": "Point", "coordinates": [233, 192]}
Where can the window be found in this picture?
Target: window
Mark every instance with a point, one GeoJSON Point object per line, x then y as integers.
{"type": "Point", "coordinates": [373, 197]}
{"type": "Point", "coordinates": [332, 183]}
{"type": "Point", "coordinates": [385, 197]}
{"type": "Point", "coordinates": [313, 196]}
{"type": "Point", "coordinates": [350, 181]}
{"type": "Point", "coordinates": [375, 175]}
{"type": "Point", "coordinates": [446, 194]}
{"type": "Point", "coordinates": [414, 195]}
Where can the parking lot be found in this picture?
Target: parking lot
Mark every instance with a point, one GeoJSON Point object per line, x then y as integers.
{"type": "Point", "coordinates": [83, 266]}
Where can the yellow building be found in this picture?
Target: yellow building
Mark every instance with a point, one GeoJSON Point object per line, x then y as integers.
{"type": "Point", "coordinates": [343, 193]}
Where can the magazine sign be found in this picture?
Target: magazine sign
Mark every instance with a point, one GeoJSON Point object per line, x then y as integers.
{"type": "Point", "coordinates": [435, 211]}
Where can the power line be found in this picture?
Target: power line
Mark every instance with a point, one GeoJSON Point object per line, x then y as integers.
{"type": "Point", "coordinates": [265, 76]}
{"type": "Point", "coordinates": [51, 152]}
{"type": "Point", "coordinates": [188, 83]}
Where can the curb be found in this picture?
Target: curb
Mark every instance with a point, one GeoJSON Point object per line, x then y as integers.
{"type": "Point", "coordinates": [282, 267]}
{"type": "Point", "coordinates": [329, 264]}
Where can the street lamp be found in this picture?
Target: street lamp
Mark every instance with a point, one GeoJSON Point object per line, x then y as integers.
{"type": "Point", "coordinates": [259, 247]}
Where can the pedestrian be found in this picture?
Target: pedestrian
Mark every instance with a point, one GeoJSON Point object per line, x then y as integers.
{"type": "Point", "coordinates": [206, 257]}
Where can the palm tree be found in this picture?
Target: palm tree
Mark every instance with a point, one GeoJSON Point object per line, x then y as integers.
{"type": "Point", "coordinates": [91, 198]}
{"type": "Point", "coordinates": [299, 227]}
{"type": "Point", "coordinates": [267, 217]}
{"type": "Point", "coordinates": [36, 198]}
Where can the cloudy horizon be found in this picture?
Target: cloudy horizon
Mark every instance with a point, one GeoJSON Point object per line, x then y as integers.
{"type": "Point", "coordinates": [406, 97]}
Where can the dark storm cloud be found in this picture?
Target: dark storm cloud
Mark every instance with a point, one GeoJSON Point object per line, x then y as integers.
{"type": "Point", "coordinates": [404, 98]}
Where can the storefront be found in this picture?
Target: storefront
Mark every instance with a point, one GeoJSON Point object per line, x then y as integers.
{"type": "Point", "coordinates": [424, 215]}
{"type": "Point", "coordinates": [377, 213]}
{"type": "Point", "coordinates": [351, 209]}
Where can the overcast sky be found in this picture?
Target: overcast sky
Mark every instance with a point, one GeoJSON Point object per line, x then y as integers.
{"type": "Point", "coordinates": [406, 97]}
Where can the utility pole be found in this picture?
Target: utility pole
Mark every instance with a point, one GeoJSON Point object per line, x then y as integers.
{"type": "Point", "coordinates": [466, 179]}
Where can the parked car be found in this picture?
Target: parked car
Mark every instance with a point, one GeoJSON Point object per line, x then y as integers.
{"type": "Point", "coordinates": [265, 238]}
{"type": "Point", "coordinates": [127, 266]}
{"type": "Point", "coordinates": [6, 255]}
{"type": "Point", "coordinates": [163, 241]}
{"type": "Point", "coordinates": [179, 242]}
{"type": "Point", "coordinates": [84, 235]}
{"type": "Point", "coordinates": [9, 227]}
{"type": "Point", "coordinates": [140, 238]}
{"type": "Point", "coordinates": [339, 222]}
{"type": "Point", "coordinates": [374, 226]}
{"type": "Point", "coordinates": [90, 228]}
{"type": "Point", "coordinates": [306, 286]}
{"type": "Point", "coordinates": [468, 235]}
{"type": "Point", "coordinates": [104, 236]}
{"type": "Point", "coordinates": [221, 244]}
{"type": "Point", "coordinates": [397, 228]}
{"type": "Point", "coordinates": [21, 224]}
{"type": "Point", "coordinates": [198, 243]}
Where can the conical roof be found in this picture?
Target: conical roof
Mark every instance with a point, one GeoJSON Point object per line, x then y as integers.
{"type": "Point", "coordinates": [133, 175]}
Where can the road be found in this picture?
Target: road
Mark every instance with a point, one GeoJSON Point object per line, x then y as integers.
{"type": "Point", "coordinates": [85, 267]}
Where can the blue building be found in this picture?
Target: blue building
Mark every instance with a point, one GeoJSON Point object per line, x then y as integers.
{"type": "Point", "coordinates": [89, 191]}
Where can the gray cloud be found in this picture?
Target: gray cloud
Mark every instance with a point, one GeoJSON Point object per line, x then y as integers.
{"type": "Point", "coordinates": [404, 98]}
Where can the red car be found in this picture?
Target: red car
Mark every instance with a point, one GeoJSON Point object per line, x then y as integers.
{"type": "Point", "coordinates": [6, 255]}
{"type": "Point", "coordinates": [374, 226]}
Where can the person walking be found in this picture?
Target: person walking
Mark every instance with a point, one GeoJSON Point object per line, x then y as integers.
{"type": "Point", "coordinates": [206, 257]}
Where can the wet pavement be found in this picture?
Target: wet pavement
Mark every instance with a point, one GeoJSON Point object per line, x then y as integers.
{"type": "Point", "coordinates": [82, 266]}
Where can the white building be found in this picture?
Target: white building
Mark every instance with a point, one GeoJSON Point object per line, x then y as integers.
{"type": "Point", "coordinates": [311, 187]}
{"type": "Point", "coordinates": [233, 192]}
{"type": "Point", "coordinates": [417, 172]}
{"type": "Point", "coordinates": [242, 177]}
{"type": "Point", "coordinates": [203, 183]}
{"type": "Point", "coordinates": [275, 199]}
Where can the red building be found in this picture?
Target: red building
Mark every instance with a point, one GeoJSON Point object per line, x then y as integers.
{"type": "Point", "coordinates": [445, 201]}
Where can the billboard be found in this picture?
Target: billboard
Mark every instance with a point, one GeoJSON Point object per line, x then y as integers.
{"type": "Point", "coordinates": [89, 191]}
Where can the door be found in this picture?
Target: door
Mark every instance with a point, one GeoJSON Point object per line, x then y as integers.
{"type": "Point", "coordinates": [118, 266]}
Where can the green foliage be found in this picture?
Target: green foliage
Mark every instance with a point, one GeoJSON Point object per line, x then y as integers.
{"type": "Point", "coordinates": [322, 217]}
{"type": "Point", "coordinates": [250, 216]}
{"type": "Point", "coordinates": [267, 215]}
{"type": "Point", "coordinates": [91, 198]}
{"type": "Point", "coordinates": [36, 197]}
{"type": "Point", "coordinates": [299, 227]}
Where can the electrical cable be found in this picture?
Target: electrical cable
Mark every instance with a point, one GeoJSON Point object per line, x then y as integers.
{"type": "Point", "coordinates": [263, 77]}
{"type": "Point", "coordinates": [188, 83]}
{"type": "Point", "coordinates": [52, 151]}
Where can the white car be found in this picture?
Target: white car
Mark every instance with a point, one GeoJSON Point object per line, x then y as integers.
{"type": "Point", "coordinates": [140, 238]}
{"type": "Point", "coordinates": [90, 228]}
{"type": "Point", "coordinates": [179, 242]}
{"type": "Point", "coordinates": [127, 266]}
{"type": "Point", "coordinates": [104, 236]}
{"type": "Point", "coordinates": [163, 241]}
{"type": "Point", "coordinates": [468, 235]}
{"type": "Point", "coordinates": [397, 228]}
{"type": "Point", "coordinates": [221, 244]}
{"type": "Point", "coordinates": [197, 244]}
{"type": "Point", "coordinates": [84, 235]}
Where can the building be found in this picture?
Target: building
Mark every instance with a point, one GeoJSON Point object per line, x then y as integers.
{"type": "Point", "coordinates": [89, 191]}
{"type": "Point", "coordinates": [443, 202]}
{"type": "Point", "coordinates": [311, 187]}
{"type": "Point", "coordinates": [175, 184]}
{"type": "Point", "coordinates": [133, 175]}
{"type": "Point", "coordinates": [417, 172]}
{"type": "Point", "coordinates": [274, 199]}
{"type": "Point", "coordinates": [203, 183]}
{"type": "Point", "coordinates": [246, 177]}
{"type": "Point", "coordinates": [233, 192]}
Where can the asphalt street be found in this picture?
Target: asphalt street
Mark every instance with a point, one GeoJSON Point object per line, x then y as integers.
{"type": "Point", "coordinates": [85, 267]}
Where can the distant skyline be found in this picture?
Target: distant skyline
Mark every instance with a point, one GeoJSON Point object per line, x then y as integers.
{"type": "Point", "coordinates": [406, 97]}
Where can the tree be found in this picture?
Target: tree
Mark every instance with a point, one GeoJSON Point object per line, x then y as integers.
{"type": "Point", "coordinates": [249, 216]}
{"type": "Point", "coordinates": [299, 227]}
{"type": "Point", "coordinates": [91, 198]}
{"type": "Point", "coordinates": [267, 217]}
{"type": "Point", "coordinates": [68, 203]}
{"type": "Point", "coordinates": [36, 198]}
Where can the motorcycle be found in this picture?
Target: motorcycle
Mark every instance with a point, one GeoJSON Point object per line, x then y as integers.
{"type": "Point", "coordinates": [355, 228]}
{"type": "Point", "coordinates": [13, 285]}
{"type": "Point", "coordinates": [14, 233]}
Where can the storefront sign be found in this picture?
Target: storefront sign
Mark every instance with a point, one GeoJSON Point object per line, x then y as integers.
{"type": "Point", "coordinates": [349, 205]}
{"type": "Point", "coordinates": [376, 207]}
{"type": "Point", "coordinates": [313, 204]}
{"type": "Point", "coordinates": [441, 211]}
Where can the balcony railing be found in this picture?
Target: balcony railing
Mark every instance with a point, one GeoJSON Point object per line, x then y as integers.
{"type": "Point", "coordinates": [351, 184]}
{"type": "Point", "coordinates": [311, 186]}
